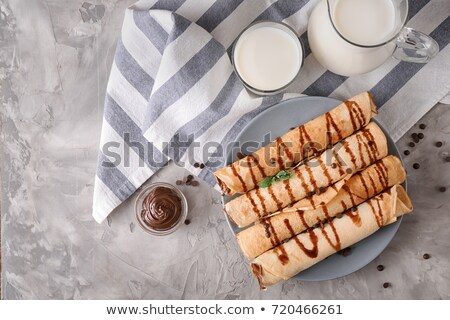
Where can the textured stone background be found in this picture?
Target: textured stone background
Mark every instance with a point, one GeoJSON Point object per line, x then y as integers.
{"type": "Point", "coordinates": [54, 61]}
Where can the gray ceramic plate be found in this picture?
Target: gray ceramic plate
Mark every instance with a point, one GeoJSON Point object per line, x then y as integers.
{"type": "Point", "coordinates": [277, 120]}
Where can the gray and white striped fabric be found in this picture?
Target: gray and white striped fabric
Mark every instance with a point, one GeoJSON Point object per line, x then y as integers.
{"type": "Point", "coordinates": [172, 86]}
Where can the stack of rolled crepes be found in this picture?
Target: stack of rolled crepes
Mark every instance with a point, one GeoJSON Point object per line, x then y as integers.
{"type": "Point", "coordinates": [341, 190]}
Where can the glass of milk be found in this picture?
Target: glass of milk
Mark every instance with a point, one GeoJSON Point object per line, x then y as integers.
{"type": "Point", "coordinates": [267, 57]}
{"type": "Point", "coordinates": [350, 37]}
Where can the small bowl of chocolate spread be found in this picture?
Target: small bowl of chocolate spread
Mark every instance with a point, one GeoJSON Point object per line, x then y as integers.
{"type": "Point", "coordinates": [160, 208]}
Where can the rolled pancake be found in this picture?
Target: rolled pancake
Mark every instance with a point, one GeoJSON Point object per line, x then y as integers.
{"type": "Point", "coordinates": [367, 183]}
{"type": "Point", "coordinates": [309, 248]}
{"type": "Point", "coordinates": [342, 121]}
{"type": "Point", "coordinates": [345, 158]}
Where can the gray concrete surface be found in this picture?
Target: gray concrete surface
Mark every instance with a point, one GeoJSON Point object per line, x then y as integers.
{"type": "Point", "coordinates": [55, 58]}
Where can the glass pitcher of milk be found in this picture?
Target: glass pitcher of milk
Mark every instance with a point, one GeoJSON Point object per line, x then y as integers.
{"type": "Point", "coordinates": [350, 37]}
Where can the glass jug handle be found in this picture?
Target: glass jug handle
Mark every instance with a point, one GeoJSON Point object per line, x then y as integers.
{"type": "Point", "coordinates": [415, 46]}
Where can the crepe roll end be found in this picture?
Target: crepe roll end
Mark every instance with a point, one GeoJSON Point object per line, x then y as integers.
{"type": "Point", "coordinates": [373, 106]}
{"type": "Point", "coordinates": [403, 203]}
{"type": "Point", "coordinates": [264, 277]}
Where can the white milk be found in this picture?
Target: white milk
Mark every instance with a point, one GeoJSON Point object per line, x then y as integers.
{"type": "Point", "coordinates": [364, 22]}
{"type": "Point", "coordinates": [267, 58]}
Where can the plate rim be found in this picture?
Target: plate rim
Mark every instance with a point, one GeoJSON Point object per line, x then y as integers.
{"type": "Point", "coordinates": [396, 225]}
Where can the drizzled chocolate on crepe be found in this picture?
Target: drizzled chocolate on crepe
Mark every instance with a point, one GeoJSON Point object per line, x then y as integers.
{"type": "Point", "coordinates": [362, 186]}
{"type": "Point", "coordinates": [311, 247]}
{"type": "Point", "coordinates": [351, 154]}
{"type": "Point", "coordinates": [297, 144]}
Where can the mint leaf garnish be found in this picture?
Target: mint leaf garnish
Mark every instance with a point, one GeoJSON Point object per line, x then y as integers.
{"type": "Point", "coordinates": [267, 182]}
{"type": "Point", "coordinates": [280, 176]}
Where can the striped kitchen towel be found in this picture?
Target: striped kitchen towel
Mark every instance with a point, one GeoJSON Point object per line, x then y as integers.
{"type": "Point", "coordinates": [172, 93]}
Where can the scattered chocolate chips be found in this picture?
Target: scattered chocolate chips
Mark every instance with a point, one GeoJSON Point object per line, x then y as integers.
{"type": "Point", "coordinates": [380, 267]}
{"type": "Point", "coordinates": [422, 126]}
{"type": "Point", "coordinates": [339, 215]}
{"type": "Point", "coordinates": [345, 252]}
{"type": "Point", "coordinates": [322, 189]}
{"type": "Point", "coordinates": [188, 182]}
{"type": "Point", "coordinates": [334, 165]}
{"type": "Point", "coordinates": [195, 183]}
{"type": "Point", "coordinates": [447, 159]}
{"type": "Point", "coordinates": [267, 234]}
{"type": "Point", "coordinates": [416, 165]}
{"type": "Point", "coordinates": [196, 165]}
{"type": "Point", "coordinates": [386, 285]}
{"type": "Point", "coordinates": [187, 221]}
{"type": "Point", "coordinates": [442, 189]}
{"type": "Point", "coordinates": [266, 226]}
{"type": "Point", "coordinates": [240, 155]}
{"type": "Point", "coordinates": [348, 170]}
{"type": "Point", "coordinates": [406, 152]}
{"type": "Point", "coordinates": [426, 256]}
{"type": "Point", "coordinates": [411, 144]}
{"type": "Point", "coordinates": [354, 209]}
{"type": "Point", "coordinates": [439, 144]}
{"type": "Point", "coordinates": [310, 194]}
{"type": "Point", "coordinates": [415, 137]}
{"type": "Point", "coordinates": [202, 165]}
{"type": "Point", "coordinates": [178, 182]}
{"type": "Point", "coordinates": [421, 135]}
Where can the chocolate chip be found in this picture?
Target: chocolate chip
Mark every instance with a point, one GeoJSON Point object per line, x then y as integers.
{"type": "Point", "coordinates": [386, 285]}
{"type": "Point", "coordinates": [411, 144]}
{"type": "Point", "coordinates": [416, 165]}
{"type": "Point", "coordinates": [196, 165]}
{"type": "Point", "coordinates": [322, 203]}
{"type": "Point", "coordinates": [187, 221]}
{"type": "Point", "coordinates": [339, 215]}
{"type": "Point", "coordinates": [188, 182]}
{"type": "Point", "coordinates": [322, 189]}
{"type": "Point", "coordinates": [380, 267]}
{"type": "Point", "coordinates": [354, 209]}
{"type": "Point", "coordinates": [178, 182]}
{"type": "Point", "coordinates": [348, 170]}
{"type": "Point", "coordinates": [426, 256]}
{"type": "Point", "coordinates": [334, 165]}
{"type": "Point", "coordinates": [447, 159]}
{"type": "Point", "coordinates": [442, 189]}
{"type": "Point", "coordinates": [415, 137]}
{"type": "Point", "coordinates": [406, 152]}
{"type": "Point", "coordinates": [202, 165]}
{"type": "Point", "coordinates": [190, 177]}
{"type": "Point", "coordinates": [421, 135]}
{"type": "Point", "coordinates": [267, 234]}
{"type": "Point", "coordinates": [272, 160]}
{"type": "Point", "coordinates": [310, 194]}
{"type": "Point", "coordinates": [345, 252]}
{"type": "Point", "coordinates": [439, 144]}
{"type": "Point", "coordinates": [266, 226]}
{"type": "Point", "coordinates": [194, 183]}
{"type": "Point", "coordinates": [422, 126]}
{"type": "Point", "coordinates": [318, 191]}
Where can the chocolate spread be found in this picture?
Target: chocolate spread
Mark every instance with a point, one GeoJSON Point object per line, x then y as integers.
{"type": "Point", "coordinates": [161, 208]}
